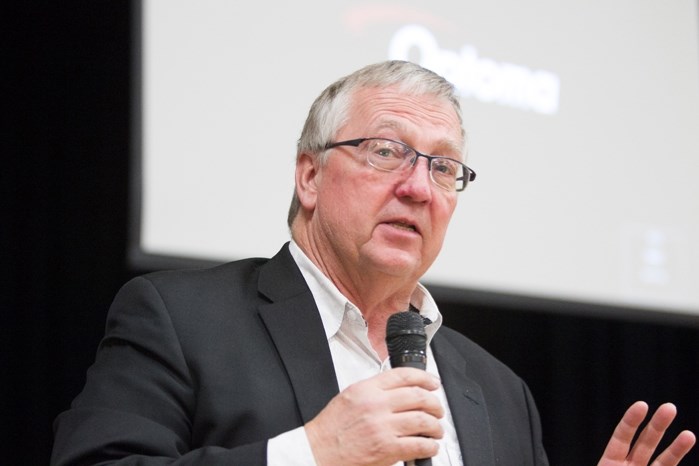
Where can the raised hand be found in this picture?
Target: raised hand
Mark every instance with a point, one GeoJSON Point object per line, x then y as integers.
{"type": "Point", "coordinates": [620, 452]}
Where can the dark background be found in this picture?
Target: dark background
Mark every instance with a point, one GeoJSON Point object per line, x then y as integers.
{"type": "Point", "coordinates": [63, 232]}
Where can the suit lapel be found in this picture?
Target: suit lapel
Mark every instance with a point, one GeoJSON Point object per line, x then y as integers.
{"type": "Point", "coordinates": [294, 324]}
{"type": "Point", "coordinates": [467, 405]}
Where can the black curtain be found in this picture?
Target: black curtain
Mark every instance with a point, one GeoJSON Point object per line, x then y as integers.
{"type": "Point", "coordinates": [63, 233]}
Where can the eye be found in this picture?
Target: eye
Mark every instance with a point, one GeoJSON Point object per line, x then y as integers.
{"type": "Point", "coordinates": [445, 167]}
{"type": "Point", "coordinates": [386, 150]}
{"type": "Point", "coordinates": [383, 152]}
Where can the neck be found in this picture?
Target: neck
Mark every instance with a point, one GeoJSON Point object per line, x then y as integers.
{"type": "Point", "coordinates": [370, 289]}
{"type": "Point", "coordinates": [378, 296]}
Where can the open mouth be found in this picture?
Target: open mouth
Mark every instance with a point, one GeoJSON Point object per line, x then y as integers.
{"type": "Point", "coordinates": [403, 226]}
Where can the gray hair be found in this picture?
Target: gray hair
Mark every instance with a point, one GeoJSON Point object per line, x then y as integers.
{"type": "Point", "coordinates": [330, 110]}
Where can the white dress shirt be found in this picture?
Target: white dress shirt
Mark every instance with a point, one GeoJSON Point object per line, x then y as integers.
{"type": "Point", "coordinates": [355, 359]}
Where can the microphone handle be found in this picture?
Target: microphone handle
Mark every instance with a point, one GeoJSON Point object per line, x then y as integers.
{"type": "Point", "coordinates": [419, 462]}
{"type": "Point", "coordinates": [418, 361]}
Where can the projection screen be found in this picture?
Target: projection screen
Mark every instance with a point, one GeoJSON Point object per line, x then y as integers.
{"type": "Point", "coordinates": [582, 120]}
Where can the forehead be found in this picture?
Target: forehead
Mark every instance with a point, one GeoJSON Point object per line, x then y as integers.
{"type": "Point", "coordinates": [411, 116]}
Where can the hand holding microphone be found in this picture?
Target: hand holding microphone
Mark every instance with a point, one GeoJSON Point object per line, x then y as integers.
{"type": "Point", "coordinates": [386, 418]}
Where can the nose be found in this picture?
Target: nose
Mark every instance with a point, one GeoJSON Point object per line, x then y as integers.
{"type": "Point", "coordinates": [416, 183]}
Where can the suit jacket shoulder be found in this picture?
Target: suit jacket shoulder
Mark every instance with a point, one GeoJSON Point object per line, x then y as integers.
{"type": "Point", "coordinates": [201, 365]}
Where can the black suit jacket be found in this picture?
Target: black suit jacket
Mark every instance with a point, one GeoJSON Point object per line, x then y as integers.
{"type": "Point", "coordinates": [204, 366]}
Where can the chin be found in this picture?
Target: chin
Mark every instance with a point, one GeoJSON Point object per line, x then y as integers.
{"type": "Point", "coordinates": [399, 263]}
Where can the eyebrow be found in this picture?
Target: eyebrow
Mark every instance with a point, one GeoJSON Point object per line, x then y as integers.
{"type": "Point", "coordinates": [450, 144]}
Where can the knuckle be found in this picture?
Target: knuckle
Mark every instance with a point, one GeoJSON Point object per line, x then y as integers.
{"type": "Point", "coordinates": [426, 422]}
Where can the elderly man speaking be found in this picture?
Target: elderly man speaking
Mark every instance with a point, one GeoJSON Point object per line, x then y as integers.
{"type": "Point", "coordinates": [284, 361]}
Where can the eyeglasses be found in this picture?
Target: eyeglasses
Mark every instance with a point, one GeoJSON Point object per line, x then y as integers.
{"type": "Point", "coordinates": [393, 156]}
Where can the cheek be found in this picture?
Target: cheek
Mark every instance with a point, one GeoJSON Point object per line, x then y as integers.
{"type": "Point", "coordinates": [442, 217]}
{"type": "Point", "coordinates": [337, 210]}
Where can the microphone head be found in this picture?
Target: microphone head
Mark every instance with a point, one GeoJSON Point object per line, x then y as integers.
{"type": "Point", "coordinates": [406, 340]}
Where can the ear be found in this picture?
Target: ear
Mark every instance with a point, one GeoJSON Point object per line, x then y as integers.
{"type": "Point", "coordinates": [307, 178]}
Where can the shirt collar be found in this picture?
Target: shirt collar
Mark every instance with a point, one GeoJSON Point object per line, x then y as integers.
{"type": "Point", "coordinates": [332, 304]}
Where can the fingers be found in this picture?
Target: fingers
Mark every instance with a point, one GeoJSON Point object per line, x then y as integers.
{"type": "Point", "coordinates": [402, 390]}
{"type": "Point", "coordinates": [416, 424]}
{"type": "Point", "coordinates": [406, 377]}
{"type": "Point", "coordinates": [391, 417]}
{"type": "Point", "coordinates": [415, 399]}
{"type": "Point", "coordinates": [651, 435]}
{"type": "Point", "coordinates": [411, 390]}
{"type": "Point", "coordinates": [619, 449]}
{"type": "Point", "coordinates": [620, 443]}
{"type": "Point", "coordinates": [677, 450]}
{"type": "Point", "coordinates": [416, 447]}
{"type": "Point", "coordinates": [397, 390]}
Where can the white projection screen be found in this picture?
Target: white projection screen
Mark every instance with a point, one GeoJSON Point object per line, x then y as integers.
{"type": "Point", "coordinates": [582, 120]}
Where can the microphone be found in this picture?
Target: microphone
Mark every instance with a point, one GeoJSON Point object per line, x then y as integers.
{"type": "Point", "coordinates": [407, 347]}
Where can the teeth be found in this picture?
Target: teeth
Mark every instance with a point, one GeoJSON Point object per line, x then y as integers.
{"type": "Point", "coordinates": [403, 226]}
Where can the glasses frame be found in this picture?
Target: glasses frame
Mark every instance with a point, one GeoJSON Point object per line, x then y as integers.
{"type": "Point", "coordinates": [469, 175]}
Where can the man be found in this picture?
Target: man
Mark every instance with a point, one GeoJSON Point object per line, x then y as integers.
{"type": "Point", "coordinates": [283, 361]}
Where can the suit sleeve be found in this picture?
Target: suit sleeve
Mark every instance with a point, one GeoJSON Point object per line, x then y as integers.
{"type": "Point", "coordinates": [140, 397]}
